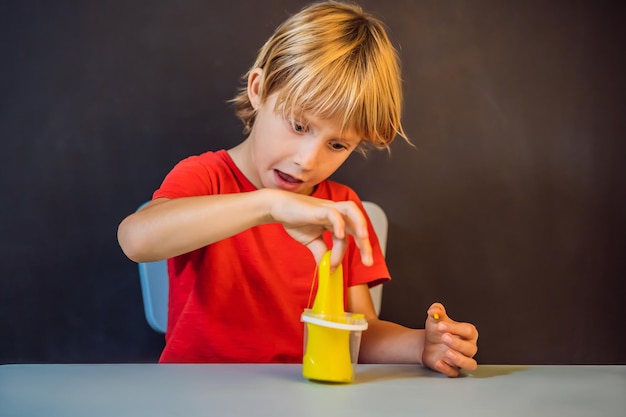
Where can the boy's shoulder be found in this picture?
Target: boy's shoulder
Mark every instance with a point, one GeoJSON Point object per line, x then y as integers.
{"type": "Point", "coordinates": [203, 174]}
{"type": "Point", "coordinates": [212, 163]}
{"type": "Point", "coordinates": [205, 158]}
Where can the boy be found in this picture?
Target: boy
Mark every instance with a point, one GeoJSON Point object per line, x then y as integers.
{"type": "Point", "coordinates": [238, 226]}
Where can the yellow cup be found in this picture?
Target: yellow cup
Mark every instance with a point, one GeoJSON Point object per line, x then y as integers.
{"type": "Point", "coordinates": [331, 346]}
{"type": "Point", "coordinates": [332, 337]}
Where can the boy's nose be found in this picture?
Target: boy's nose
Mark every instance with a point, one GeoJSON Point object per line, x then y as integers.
{"type": "Point", "coordinates": [308, 155]}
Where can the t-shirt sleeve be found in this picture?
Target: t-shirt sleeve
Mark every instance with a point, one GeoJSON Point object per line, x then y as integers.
{"type": "Point", "coordinates": [190, 177]}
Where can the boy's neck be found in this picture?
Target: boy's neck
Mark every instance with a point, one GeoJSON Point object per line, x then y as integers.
{"type": "Point", "coordinates": [241, 157]}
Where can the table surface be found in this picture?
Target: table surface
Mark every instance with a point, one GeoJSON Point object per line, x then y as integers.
{"type": "Point", "coordinates": [154, 390]}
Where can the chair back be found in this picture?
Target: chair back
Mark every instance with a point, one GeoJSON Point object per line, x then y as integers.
{"type": "Point", "coordinates": [155, 283]}
{"type": "Point", "coordinates": [381, 225]}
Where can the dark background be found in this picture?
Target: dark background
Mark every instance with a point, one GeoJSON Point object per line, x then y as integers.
{"type": "Point", "coordinates": [510, 209]}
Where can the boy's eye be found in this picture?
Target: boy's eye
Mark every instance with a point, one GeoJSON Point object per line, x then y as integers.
{"type": "Point", "coordinates": [338, 146]}
{"type": "Point", "coordinates": [298, 127]}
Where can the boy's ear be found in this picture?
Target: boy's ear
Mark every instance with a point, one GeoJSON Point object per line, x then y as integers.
{"type": "Point", "coordinates": [255, 85]}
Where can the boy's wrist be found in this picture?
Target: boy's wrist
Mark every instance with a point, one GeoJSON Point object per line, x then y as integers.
{"type": "Point", "coordinates": [266, 197]}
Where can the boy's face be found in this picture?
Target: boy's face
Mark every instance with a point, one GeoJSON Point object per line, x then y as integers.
{"type": "Point", "coordinates": [295, 154]}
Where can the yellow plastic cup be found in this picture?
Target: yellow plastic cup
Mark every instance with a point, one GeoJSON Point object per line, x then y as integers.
{"type": "Point", "coordinates": [331, 346]}
{"type": "Point", "coordinates": [332, 337]}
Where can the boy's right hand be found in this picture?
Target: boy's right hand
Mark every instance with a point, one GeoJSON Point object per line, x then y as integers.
{"type": "Point", "coordinates": [306, 219]}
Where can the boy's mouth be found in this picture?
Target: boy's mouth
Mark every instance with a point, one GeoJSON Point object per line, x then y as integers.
{"type": "Point", "coordinates": [288, 178]}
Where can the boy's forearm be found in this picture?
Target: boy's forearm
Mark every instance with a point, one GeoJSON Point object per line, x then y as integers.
{"type": "Point", "coordinates": [182, 225]}
{"type": "Point", "coordinates": [387, 342]}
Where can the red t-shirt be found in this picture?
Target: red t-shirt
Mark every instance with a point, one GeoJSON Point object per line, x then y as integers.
{"type": "Point", "coordinates": [240, 299]}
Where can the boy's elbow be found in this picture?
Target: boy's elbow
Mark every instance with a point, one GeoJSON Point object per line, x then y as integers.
{"type": "Point", "coordinates": [130, 243]}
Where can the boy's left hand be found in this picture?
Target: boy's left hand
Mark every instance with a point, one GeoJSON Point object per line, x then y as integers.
{"type": "Point", "coordinates": [449, 346]}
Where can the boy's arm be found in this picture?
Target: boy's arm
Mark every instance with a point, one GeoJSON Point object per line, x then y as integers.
{"type": "Point", "coordinates": [166, 228]}
{"type": "Point", "coordinates": [444, 345]}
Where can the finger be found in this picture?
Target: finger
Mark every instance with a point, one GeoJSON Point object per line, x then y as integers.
{"type": "Point", "coordinates": [337, 223]}
{"type": "Point", "coordinates": [356, 225]}
{"type": "Point", "coordinates": [455, 359]}
{"type": "Point", "coordinates": [361, 240]}
{"type": "Point", "coordinates": [466, 331]}
{"type": "Point", "coordinates": [365, 249]}
{"type": "Point", "coordinates": [464, 347]}
{"type": "Point", "coordinates": [446, 369]}
{"type": "Point", "coordinates": [436, 311]}
{"type": "Point", "coordinates": [318, 248]}
{"type": "Point", "coordinates": [356, 219]}
{"type": "Point", "coordinates": [339, 249]}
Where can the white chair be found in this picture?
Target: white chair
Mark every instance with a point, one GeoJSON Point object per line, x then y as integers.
{"type": "Point", "coordinates": [155, 284]}
{"type": "Point", "coordinates": [381, 225]}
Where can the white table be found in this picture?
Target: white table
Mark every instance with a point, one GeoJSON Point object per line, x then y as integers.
{"type": "Point", "coordinates": [118, 390]}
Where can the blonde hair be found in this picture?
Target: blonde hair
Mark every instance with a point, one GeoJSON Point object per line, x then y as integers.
{"type": "Point", "coordinates": [335, 61]}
